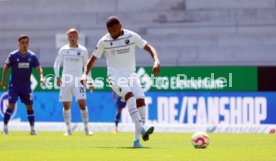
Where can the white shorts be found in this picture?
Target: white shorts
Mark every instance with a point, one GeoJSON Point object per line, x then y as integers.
{"type": "Point", "coordinates": [66, 93]}
{"type": "Point", "coordinates": [123, 82]}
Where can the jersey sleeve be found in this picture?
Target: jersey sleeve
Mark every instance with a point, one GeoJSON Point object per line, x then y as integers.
{"type": "Point", "coordinates": [9, 61]}
{"type": "Point", "coordinates": [98, 52]}
{"type": "Point", "coordinates": [35, 61]}
{"type": "Point", "coordinates": [58, 62]}
{"type": "Point", "coordinates": [139, 41]}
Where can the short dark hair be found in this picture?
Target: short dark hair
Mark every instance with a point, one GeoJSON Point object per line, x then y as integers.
{"type": "Point", "coordinates": [23, 37]}
{"type": "Point", "coordinates": [112, 20]}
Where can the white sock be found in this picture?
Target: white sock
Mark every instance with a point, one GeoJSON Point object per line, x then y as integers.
{"type": "Point", "coordinates": [142, 112]}
{"type": "Point", "coordinates": [84, 116]}
{"type": "Point", "coordinates": [132, 108]}
{"type": "Point", "coordinates": [67, 118]}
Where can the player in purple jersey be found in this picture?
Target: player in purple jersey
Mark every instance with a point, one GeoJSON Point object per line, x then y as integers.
{"type": "Point", "coordinates": [21, 61]}
{"type": "Point", "coordinates": [120, 104]}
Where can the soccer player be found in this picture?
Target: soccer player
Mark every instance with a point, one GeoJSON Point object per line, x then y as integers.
{"type": "Point", "coordinates": [120, 104]}
{"type": "Point", "coordinates": [21, 61]}
{"type": "Point", "coordinates": [74, 57]}
{"type": "Point", "coordinates": [118, 46]}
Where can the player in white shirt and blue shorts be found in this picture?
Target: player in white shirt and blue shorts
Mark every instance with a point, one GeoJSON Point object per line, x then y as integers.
{"type": "Point", "coordinates": [118, 46]}
{"type": "Point", "coordinates": [74, 57]}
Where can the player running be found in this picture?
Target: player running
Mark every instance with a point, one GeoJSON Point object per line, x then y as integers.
{"type": "Point", "coordinates": [118, 46]}
{"type": "Point", "coordinates": [74, 57]}
{"type": "Point", "coordinates": [21, 61]}
{"type": "Point", "coordinates": [120, 104]}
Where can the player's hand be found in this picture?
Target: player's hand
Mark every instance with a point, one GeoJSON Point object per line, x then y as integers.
{"type": "Point", "coordinates": [58, 81]}
{"type": "Point", "coordinates": [83, 80]}
{"type": "Point", "coordinates": [42, 82]}
{"type": "Point", "coordinates": [156, 68]}
{"type": "Point", "coordinates": [3, 85]}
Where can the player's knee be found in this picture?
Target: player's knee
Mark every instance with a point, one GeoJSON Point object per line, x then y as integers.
{"type": "Point", "coordinates": [29, 107]}
{"type": "Point", "coordinates": [140, 102]}
{"type": "Point", "coordinates": [82, 104]}
{"type": "Point", "coordinates": [66, 105]}
{"type": "Point", "coordinates": [128, 95]}
{"type": "Point", "coordinates": [120, 110]}
{"type": "Point", "coordinates": [11, 106]}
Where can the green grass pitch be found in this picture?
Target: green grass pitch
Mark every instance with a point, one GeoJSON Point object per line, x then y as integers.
{"type": "Point", "coordinates": [53, 146]}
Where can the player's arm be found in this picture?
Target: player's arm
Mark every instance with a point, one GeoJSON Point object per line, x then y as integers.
{"type": "Point", "coordinates": [8, 63]}
{"type": "Point", "coordinates": [98, 52]}
{"type": "Point", "coordinates": [156, 66]}
{"type": "Point", "coordinates": [36, 64]}
{"type": "Point", "coordinates": [40, 73]}
{"type": "Point", "coordinates": [88, 68]}
{"type": "Point", "coordinates": [90, 81]}
{"type": "Point", "coordinates": [4, 75]}
{"type": "Point", "coordinates": [57, 64]}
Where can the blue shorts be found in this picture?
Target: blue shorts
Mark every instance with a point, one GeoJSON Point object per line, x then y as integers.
{"type": "Point", "coordinates": [120, 103]}
{"type": "Point", "coordinates": [25, 95]}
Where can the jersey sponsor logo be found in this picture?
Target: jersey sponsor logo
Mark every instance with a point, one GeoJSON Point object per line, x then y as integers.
{"type": "Point", "coordinates": [123, 51]}
{"type": "Point", "coordinates": [24, 65]}
{"type": "Point", "coordinates": [4, 102]}
{"type": "Point", "coordinates": [72, 59]}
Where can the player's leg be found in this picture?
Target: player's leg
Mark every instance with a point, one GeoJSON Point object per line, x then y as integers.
{"type": "Point", "coordinates": [80, 95]}
{"type": "Point", "coordinates": [124, 91]}
{"type": "Point", "coordinates": [27, 98]}
{"type": "Point", "coordinates": [13, 96]}
{"type": "Point", "coordinates": [121, 87]}
{"type": "Point", "coordinates": [84, 116]}
{"type": "Point", "coordinates": [65, 96]}
{"type": "Point", "coordinates": [120, 105]}
{"type": "Point", "coordinates": [7, 117]}
{"type": "Point", "coordinates": [141, 106]}
{"type": "Point", "coordinates": [31, 118]}
{"type": "Point", "coordinates": [67, 117]}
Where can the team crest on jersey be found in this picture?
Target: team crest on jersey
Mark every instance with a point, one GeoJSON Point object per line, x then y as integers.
{"type": "Point", "coordinates": [111, 43]}
{"type": "Point", "coordinates": [79, 54]}
{"type": "Point", "coordinates": [127, 41]}
{"type": "Point", "coordinates": [17, 60]}
{"type": "Point", "coordinates": [29, 59]}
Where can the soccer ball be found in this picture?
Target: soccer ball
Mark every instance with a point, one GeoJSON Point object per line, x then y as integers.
{"type": "Point", "coordinates": [200, 140]}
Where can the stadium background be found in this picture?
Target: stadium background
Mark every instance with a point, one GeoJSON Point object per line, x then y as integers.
{"type": "Point", "coordinates": [192, 37]}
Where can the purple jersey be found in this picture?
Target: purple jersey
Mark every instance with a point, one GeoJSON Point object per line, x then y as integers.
{"type": "Point", "coordinates": [21, 68]}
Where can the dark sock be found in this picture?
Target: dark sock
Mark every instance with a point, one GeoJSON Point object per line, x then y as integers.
{"type": "Point", "coordinates": [7, 116]}
{"type": "Point", "coordinates": [117, 118]}
{"type": "Point", "coordinates": [31, 117]}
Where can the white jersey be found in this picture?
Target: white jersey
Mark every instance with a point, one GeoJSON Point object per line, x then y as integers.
{"type": "Point", "coordinates": [73, 60]}
{"type": "Point", "coordinates": [120, 52]}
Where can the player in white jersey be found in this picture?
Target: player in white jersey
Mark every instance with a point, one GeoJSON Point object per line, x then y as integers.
{"type": "Point", "coordinates": [74, 57]}
{"type": "Point", "coordinates": [118, 46]}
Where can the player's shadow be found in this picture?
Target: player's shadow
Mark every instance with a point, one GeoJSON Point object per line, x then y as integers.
{"type": "Point", "coordinates": [122, 148]}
